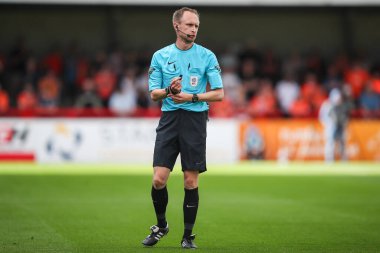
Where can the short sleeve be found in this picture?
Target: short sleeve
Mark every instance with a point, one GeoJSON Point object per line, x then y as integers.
{"type": "Point", "coordinates": [214, 73]}
{"type": "Point", "coordinates": [155, 74]}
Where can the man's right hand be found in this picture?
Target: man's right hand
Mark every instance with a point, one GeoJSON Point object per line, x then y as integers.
{"type": "Point", "coordinates": [175, 85]}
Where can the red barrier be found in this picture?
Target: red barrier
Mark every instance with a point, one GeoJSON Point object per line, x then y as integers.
{"type": "Point", "coordinates": [76, 113]}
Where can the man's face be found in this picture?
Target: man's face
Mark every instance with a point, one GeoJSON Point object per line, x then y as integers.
{"type": "Point", "coordinates": [189, 24]}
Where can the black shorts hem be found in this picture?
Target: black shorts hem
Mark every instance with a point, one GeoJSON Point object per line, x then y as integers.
{"type": "Point", "coordinates": [164, 165]}
{"type": "Point", "coordinates": [199, 170]}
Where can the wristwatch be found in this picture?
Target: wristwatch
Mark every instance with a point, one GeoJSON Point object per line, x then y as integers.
{"type": "Point", "coordinates": [195, 98]}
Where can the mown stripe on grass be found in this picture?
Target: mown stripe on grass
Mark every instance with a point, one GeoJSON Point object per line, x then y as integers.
{"type": "Point", "coordinates": [242, 168]}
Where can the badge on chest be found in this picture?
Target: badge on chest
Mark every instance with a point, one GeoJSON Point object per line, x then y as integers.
{"type": "Point", "coordinates": [193, 81]}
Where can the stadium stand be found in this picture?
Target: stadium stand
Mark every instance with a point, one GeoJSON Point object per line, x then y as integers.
{"type": "Point", "coordinates": [69, 83]}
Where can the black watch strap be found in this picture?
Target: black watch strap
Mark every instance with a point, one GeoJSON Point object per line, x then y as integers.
{"type": "Point", "coordinates": [167, 90]}
{"type": "Point", "coordinates": [195, 98]}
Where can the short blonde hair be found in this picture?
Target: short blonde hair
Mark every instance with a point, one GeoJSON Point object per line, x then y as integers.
{"type": "Point", "coordinates": [177, 15]}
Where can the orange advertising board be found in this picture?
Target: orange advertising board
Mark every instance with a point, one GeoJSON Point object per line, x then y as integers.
{"type": "Point", "coordinates": [303, 139]}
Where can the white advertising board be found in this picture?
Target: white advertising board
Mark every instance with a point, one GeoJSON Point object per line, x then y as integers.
{"type": "Point", "coordinates": [105, 140]}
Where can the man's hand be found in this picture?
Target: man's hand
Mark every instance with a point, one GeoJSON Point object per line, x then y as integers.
{"type": "Point", "coordinates": [181, 97]}
{"type": "Point", "coordinates": [175, 85]}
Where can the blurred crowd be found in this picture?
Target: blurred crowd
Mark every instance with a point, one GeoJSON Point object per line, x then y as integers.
{"type": "Point", "coordinates": [258, 83]}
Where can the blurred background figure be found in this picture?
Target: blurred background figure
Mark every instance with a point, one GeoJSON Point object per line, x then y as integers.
{"type": "Point", "coordinates": [234, 92]}
{"type": "Point", "coordinates": [333, 115]}
{"type": "Point", "coordinates": [143, 94]}
{"type": "Point", "coordinates": [49, 88]}
{"type": "Point", "coordinates": [27, 99]}
{"type": "Point", "coordinates": [105, 80]}
{"type": "Point", "coordinates": [287, 92]}
{"type": "Point", "coordinates": [356, 77]}
{"type": "Point", "coordinates": [223, 109]}
{"type": "Point", "coordinates": [250, 77]}
{"type": "Point", "coordinates": [312, 91]}
{"type": "Point", "coordinates": [88, 98]}
{"type": "Point", "coordinates": [300, 108]}
{"type": "Point", "coordinates": [4, 101]}
{"type": "Point", "coordinates": [369, 101]}
{"type": "Point", "coordinates": [263, 104]}
{"type": "Point", "coordinates": [124, 100]}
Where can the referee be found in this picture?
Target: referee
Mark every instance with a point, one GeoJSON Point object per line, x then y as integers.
{"type": "Point", "coordinates": [178, 76]}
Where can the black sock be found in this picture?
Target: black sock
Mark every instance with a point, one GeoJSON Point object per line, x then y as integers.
{"type": "Point", "coordinates": [190, 208]}
{"type": "Point", "coordinates": [160, 201]}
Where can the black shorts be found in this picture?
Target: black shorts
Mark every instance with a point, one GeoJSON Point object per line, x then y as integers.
{"type": "Point", "coordinates": [339, 132]}
{"type": "Point", "coordinates": [184, 132]}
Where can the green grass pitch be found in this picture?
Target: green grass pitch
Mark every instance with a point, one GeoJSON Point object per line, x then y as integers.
{"type": "Point", "coordinates": [248, 207]}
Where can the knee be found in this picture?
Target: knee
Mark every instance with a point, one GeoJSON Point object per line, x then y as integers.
{"type": "Point", "coordinates": [191, 183]}
{"type": "Point", "coordinates": [159, 182]}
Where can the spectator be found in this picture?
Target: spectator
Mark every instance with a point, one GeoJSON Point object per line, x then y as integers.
{"type": "Point", "coordinates": [15, 70]}
{"type": "Point", "coordinates": [357, 76]}
{"type": "Point", "coordinates": [264, 103]}
{"type": "Point", "coordinates": [18, 56]}
{"type": "Point", "coordinates": [314, 63]}
{"type": "Point", "coordinates": [250, 78]}
{"type": "Point", "coordinates": [88, 98]}
{"type": "Point", "coordinates": [143, 95]}
{"type": "Point", "coordinates": [131, 58]}
{"type": "Point", "coordinates": [83, 69]}
{"type": "Point", "coordinates": [75, 70]}
{"type": "Point", "coordinates": [100, 60]}
{"type": "Point", "coordinates": [2, 70]}
{"type": "Point", "coordinates": [270, 65]}
{"type": "Point", "coordinates": [375, 82]}
{"type": "Point", "coordinates": [49, 88]}
{"type": "Point", "coordinates": [53, 61]}
{"type": "Point", "coordinates": [4, 97]}
{"type": "Point", "coordinates": [332, 79]}
{"type": "Point", "coordinates": [312, 91]}
{"type": "Point", "coordinates": [116, 60]}
{"type": "Point", "coordinates": [250, 52]}
{"type": "Point", "coordinates": [105, 81]}
{"type": "Point", "coordinates": [232, 84]}
{"type": "Point", "coordinates": [142, 98]}
{"type": "Point", "coordinates": [294, 64]}
{"type": "Point", "coordinates": [300, 107]}
{"type": "Point", "coordinates": [287, 91]}
{"type": "Point", "coordinates": [341, 62]}
{"type": "Point", "coordinates": [27, 99]}
{"type": "Point", "coordinates": [222, 109]}
{"type": "Point", "coordinates": [31, 73]}
{"type": "Point", "coordinates": [123, 101]}
{"type": "Point", "coordinates": [129, 79]}
{"type": "Point", "coordinates": [370, 102]}
{"type": "Point", "coordinates": [4, 101]}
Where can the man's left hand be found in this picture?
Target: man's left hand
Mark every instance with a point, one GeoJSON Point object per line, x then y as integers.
{"type": "Point", "coordinates": [181, 97]}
